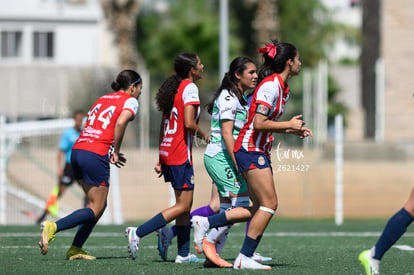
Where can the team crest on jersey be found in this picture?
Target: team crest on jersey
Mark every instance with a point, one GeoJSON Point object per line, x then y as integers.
{"type": "Point", "coordinates": [262, 108]}
{"type": "Point", "coordinates": [261, 160]}
{"type": "Point", "coordinates": [251, 145]}
{"type": "Point", "coordinates": [237, 184]}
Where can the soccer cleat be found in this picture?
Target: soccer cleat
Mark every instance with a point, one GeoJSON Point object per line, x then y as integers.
{"type": "Point", "coordinates": [76, 253]}
{"type": "Point", "coordinates": [191, 258]}
{"type": "Point", "coordinates": [164, 241]}
{"type": "Point", "coordinates": [244, 262]}
{"type": "Point", "coordinates": [259, 258]}
{"type": "Point", "coordinates": [200, 226]}
{"type": "Point", "coordinates": [370, 264]}
{"type": "Point", "coordinates": [133, 242]}
{"type": "Point", "coordinates": [127, 230]}
{"type": "Point", "coordinates": [209, 250]}
{"type": "Point", "coordinates": [48, 234]}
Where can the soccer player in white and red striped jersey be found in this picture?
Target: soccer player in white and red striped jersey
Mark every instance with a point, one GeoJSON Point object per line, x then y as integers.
{"type": "Point", "coordinates": [252, 150]}
{"type": "Point", "coordinates": [179, 102]}
{"type": "Point", "coordinates": [105, 127]}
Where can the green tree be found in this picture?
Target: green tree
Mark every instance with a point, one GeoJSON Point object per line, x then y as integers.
{"type": "Point", "coordinates": [309, 26]}
{"type": "Point", "coordinates": [306, 24]}
{"type": "Point", "coordinates": [194, 26]}
{"type": "Point", "coordinates": [186, 26]}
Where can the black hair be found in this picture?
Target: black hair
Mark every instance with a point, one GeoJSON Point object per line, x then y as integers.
{"type": "Point", "coordinates": [125, 79]}
{"type": "Point", "coordinates": [229, 82]}
{"type": "Point", "coordinates": [182, 67]}
{"type": "Point", "coordinates": [77, 112]}
{"type": "Point", "coordinates": [277, 64]}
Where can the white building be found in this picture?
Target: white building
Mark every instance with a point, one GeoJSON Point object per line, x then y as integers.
{"type": "Point", "coordinates": [45, 45]}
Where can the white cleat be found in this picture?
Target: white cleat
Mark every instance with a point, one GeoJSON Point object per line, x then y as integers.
{"type": "Point", "coordinates": [191, 258]}
{"type": "Point", "coordinates": [133, 242]}
{"type": "Point", "coordinates": [244, 262]}
{"type": "Point", "coordinates": [129, 229]}
{"type": "Point", "coordinates": [259, 258]}
{"type": "Point", "coordinates": [200, 226]}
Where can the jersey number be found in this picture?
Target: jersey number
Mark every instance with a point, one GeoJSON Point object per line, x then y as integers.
{"type": "Point", "coordinates": [171, 129]}
{"type": "Point", "coordinates": [229, 173]}
{"type": "Point", "coordinates": [104, 116]}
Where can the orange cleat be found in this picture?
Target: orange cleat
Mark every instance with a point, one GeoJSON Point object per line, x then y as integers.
{"type": "Point", "coordinates": [209, 250]}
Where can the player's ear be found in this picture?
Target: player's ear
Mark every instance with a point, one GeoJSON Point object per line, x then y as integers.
{"type": "Point", "coordinates": [238, 76]}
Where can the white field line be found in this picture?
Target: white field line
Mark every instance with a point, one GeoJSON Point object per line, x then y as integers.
{"type": "Point", "coordinates": [404, 247]}
{"type": "Point", "coordinates": [123, 247]}
{"type": "Point", "coordinates": [271, 234]}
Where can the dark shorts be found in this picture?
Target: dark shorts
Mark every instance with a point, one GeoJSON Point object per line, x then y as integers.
{"type": "Point", "coordinates": [251, 160]}
{"type": "Point", "coordinates": [180, 176]}
{"type": "Point", "coordinates": [91, 167]}
{"type": "Point", "coordinates": [67, 178]}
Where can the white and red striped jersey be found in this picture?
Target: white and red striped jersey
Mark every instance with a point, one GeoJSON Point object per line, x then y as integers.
{"type": "Point", "coordinates": [272, 93]}
{"type": "Point", "coordinates": [98, 133]}
{"type": "Point", "coordinates": [176, 144]}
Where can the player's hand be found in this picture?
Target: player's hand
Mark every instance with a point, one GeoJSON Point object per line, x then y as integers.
{"type": "Point", "coordinates": [158, 169]}
{"type": "Point", "coordinates": [296, 122]}
{"type": "Point", "coordinates": [304, 132]}
{"type": "Point", "coordinates": [117, 159]}
{"type": "Point", "coordinates": [121, 160]}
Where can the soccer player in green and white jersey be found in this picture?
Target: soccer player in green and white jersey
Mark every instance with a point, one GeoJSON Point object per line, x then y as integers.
{"type": "Point", "coordinates": [228, 109]}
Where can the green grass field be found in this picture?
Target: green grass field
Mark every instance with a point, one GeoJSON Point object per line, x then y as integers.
{"type": "Point", "coordinates": [297, 247]}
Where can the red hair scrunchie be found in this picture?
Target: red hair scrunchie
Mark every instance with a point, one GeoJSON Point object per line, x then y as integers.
{"type": "Point", "coordinates": [270, 49]}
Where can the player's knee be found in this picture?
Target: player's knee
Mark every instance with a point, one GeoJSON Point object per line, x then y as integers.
{"type": "Point", "coordinates": [275, 204]}
{"type": "Point", "coordinates": [183, 209]}
{"type": "Point", "coordinates": [215, 206]}
{"type": "Point", "coordinates": [268, 210]}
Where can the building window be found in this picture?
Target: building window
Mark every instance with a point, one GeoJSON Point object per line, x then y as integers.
{"type": "Point", "coordinates": [11, 43]}
{"type": "Point", "coordinates": [43, 44]}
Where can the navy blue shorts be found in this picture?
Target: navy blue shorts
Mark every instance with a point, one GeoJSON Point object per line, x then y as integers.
{"type": "Point", "coordinates": [251, 160]}
{"type": "Point", "coordinates": [91, 167]}
{"type": "Point", "coordinates": [180, 176]}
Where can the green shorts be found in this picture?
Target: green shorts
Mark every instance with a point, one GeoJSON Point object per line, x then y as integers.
{"type": "Point", "coordinates": [224, 174]}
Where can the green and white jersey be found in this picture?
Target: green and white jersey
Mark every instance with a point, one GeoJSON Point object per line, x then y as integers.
{"type": "Point", "coordinates": [226, 106]}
